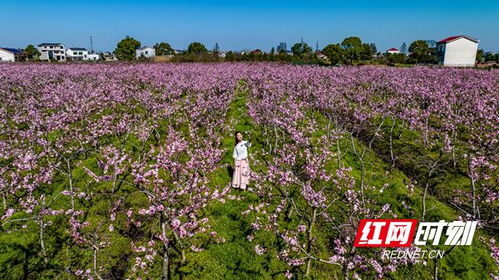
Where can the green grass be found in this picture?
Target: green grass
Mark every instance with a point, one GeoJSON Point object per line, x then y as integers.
{"type": "Point", "coordinates": [236, 258]}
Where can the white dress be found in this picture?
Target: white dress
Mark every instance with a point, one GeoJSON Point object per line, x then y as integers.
{"type": "Point", "coordinates": [241, 174]}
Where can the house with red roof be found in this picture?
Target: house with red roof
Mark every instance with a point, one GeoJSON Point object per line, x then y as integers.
{"type": "Point", "coordinates": [393, 51]}
{"type": "Point", "coordinates": [257, 51]}
{"type": "Point", "coordinates": [457, 51]}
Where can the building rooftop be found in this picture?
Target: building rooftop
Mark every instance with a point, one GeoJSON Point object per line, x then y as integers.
{"type": "Point", "coordinates": [14, 51]}
{"type": "Point", "coordinates": [452, 38]}
{"type": "Point", "coordinates": [77, 49]}
{"type": "Point", "coordinates": [49, 44]}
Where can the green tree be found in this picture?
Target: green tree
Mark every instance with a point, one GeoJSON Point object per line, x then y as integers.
{"type": "Point", "coordinates": [491, 57]}
{"type": "Point", "coordinates": [334, 53]}
{"type": "Point", "coordinates": [420, 52]}
{"type": "Point", "coordinates": [229, 56]}
{"type": "Point", "coordinates": [196, 48]}
{"type": "Point", "coordinates": [163, 49]}
{"type": "Point", "coordinates": [403, 48]}
{"type": "Point", "coordinates": [374, 50]}
{"type": "Point", "coordinates": [31, 52]}
{"type": "Point", "coordinates": [366, 52]}
{"type": "Point", "coordinates": [283, 56]}
{"type": "Point", "coordinates": [301, 49]}
{"type": "Point", "coordinates": [353, 48]}
{"type": "Point", "coordinates": [479, 55]}
{"type": "Point", "coordinates": [125, 49]}
{"type": "Point", "coordinates": [396, 57]}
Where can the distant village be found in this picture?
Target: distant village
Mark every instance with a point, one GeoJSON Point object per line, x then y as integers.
{"type": "Point", "coordinates": [454, 51]}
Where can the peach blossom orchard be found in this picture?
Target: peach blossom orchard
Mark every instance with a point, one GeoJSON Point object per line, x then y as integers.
{"type": "Point", "coordinates": [119, 171]}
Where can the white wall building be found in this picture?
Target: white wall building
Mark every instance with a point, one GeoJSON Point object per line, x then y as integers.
{"type": "Point", "coordinates": [10, 55]}
{"type": "Point", "coordinates": [93, 56]}
{"type": "Point", "coordinates": [457, 51]}
{"type": "Point", "coordinates": [52, 51]}
{"type": "Point", "coordinates": [81, 54]}
{"type": "Point", "coordinates": [76, 54]}
{"type": "Point", "coordinates": [147, 52]}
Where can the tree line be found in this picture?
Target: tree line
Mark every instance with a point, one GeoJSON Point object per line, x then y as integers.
{"type": "Point", "coordinates": [351, 51]}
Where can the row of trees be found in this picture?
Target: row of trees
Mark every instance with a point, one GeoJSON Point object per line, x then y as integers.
{"type": "Point", "coordinates": [350, 51]}
{"type": "Point", "coordinates": [487, 57]}
{"type": "Point", "coordinates": [125, 49]}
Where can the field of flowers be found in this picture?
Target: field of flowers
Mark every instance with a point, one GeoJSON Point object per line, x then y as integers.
{"type": "Point", "coordinates": [122, 171]}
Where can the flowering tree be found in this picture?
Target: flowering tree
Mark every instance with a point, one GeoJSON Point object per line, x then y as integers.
{"type": "Point", "coordinates": [109, 171]}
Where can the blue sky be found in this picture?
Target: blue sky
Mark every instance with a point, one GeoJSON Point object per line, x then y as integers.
{"type": "Point", "coordinates": [249, 24]}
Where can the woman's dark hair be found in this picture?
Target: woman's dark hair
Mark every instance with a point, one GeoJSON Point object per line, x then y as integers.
{"type": "Point", "coordinates": [235, 136]}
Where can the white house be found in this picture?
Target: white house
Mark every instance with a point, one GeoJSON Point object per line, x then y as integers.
{"type": "Point", "coordinates": [9, 54]}
{"type": "Point", "coordinates": [457, 51]}
{"type": "Point", "coordinates": [79, 54]}
{"type": "Point", "coordinates": [322, 56]}
{"type": "Point", "coordinates": [147, 52]}
{"type": "Point", "coordinates": [52, 51]}
{"type": "Point", "coordinates": [222, 54]}
{"type": "Point", "coordinates": [76, 54]}
{"type": "Point", "coordinates": [93, 56]}
{"type": "Point", "coordinates": [392, 51]}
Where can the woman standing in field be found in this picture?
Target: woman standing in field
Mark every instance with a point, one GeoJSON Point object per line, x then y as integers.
{"type": "Point", "coordinates": [241, 173]}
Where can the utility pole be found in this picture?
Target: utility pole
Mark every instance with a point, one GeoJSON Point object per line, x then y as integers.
{"type": "Point", "coordinates": [91, 45]}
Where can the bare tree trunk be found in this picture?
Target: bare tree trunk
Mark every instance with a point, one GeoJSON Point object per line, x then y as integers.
{"type": "Point", "coordinates": [360, 156]}
{"type": "Point", "coordinates": [70, 179]}
{"type": "Point", "coordinates": [454, 148]}
{"type": "Point", "coordinates": [424, 199]}
{"type": "Point", "coordinates": [182, 249]}
{"type": "Point", "coordinates": [391, 144]}
{"type": "Point", "coordinates": [166, 258]}
{"type": "Point", "coordinates": [427, 185]}
{"type": "Point", "coordinates": [267, 137]}
{"type": "Point", "coordinates": [338, 136]}
{"type": "Point", "coordinates": [338, 152]}
{"type": "Point", "coordinates": [378, 129]}
{"type": "Point", "coordinates": [42, 242]}
{"type": "Point", "coordinates": [42, 233]}
{"type": "Point", "coordinates": [276, 136]}
{"type": "Point", "coordinates": [473, 190]}
{"type": "Point", "coordinates": [309, 243]}
{"type": "Point", "coordinates": [425, 139]}
{"type": "Point", "coordinates": [95, 263]}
